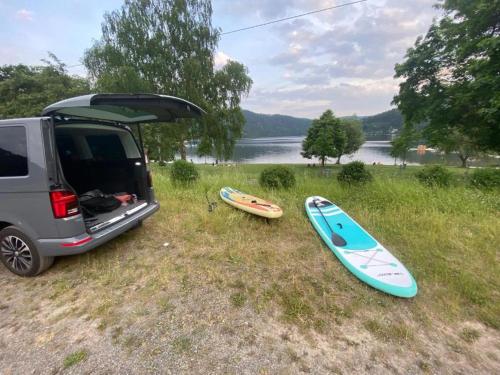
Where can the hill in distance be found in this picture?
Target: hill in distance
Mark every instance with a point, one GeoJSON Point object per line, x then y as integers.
{"type": "Point", "coordinates": [259, 125]}
{"type": "Point", "coordinates": [383, 123]}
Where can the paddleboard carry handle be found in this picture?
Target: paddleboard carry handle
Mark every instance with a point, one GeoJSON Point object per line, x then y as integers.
{"type": "Point", "coordinates": [337, 240]}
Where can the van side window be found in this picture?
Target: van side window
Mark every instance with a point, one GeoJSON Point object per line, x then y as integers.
{"type": "Point", "coordinates": [106, 147]}
{"type": "Point", "coordinates": [13, 151]}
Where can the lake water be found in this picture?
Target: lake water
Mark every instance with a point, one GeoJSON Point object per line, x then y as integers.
{"type": "Point", "coordinates": [286, 150]}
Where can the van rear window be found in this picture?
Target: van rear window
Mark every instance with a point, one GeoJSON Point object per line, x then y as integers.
{"type": "Point", "coordinates": [106, 147]}
{"type": "Point", "coordinates": [13, 151]}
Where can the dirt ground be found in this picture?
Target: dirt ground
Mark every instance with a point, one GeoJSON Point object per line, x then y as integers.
{"type": "Point", "coordinates": [202, 332]}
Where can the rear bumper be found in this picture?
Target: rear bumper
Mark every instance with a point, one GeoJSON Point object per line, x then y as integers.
{"type": "Point", "coordinates": [85, 242]}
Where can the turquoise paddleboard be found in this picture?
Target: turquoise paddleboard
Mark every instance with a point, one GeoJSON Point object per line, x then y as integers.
{"type": "Point", "coordinates": [363, 255]}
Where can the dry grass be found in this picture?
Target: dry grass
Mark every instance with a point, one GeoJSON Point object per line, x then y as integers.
{"type": "Point", "coordinates": [226, 263]}
{"type": "Point", "coordinates": [447, 237]}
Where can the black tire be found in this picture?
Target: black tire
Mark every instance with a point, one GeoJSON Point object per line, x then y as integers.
{"type": "Point", "coordinates": [19, 254]}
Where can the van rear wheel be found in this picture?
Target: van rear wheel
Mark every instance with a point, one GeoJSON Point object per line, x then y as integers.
{"type": "Point", "coordinates": [20, 255]}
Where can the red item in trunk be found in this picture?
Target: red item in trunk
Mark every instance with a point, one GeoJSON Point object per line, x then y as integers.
{"type": "Point", "coordinates": [124, 198]}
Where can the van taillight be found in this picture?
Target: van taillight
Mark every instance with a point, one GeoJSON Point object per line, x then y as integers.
{"type": "Point", "coordinates": [64, 203]}
{"type": "Point", "coordinates": [150, 179]}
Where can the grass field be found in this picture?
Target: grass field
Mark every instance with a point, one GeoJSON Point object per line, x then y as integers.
{"type": "Point", "coordinates": [190, 285]}
{"type": "Point", "coordinates": [448, 238]}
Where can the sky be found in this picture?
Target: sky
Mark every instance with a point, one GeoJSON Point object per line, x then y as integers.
{"type": "Point", "coordinates": [341, 59]}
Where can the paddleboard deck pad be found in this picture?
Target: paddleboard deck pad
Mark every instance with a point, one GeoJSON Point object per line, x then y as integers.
{"type": "Point", "coordinates": [249, 203]}
{"type": "Point", "coordinates": [363, 255]}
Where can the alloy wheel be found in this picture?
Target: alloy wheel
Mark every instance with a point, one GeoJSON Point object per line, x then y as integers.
{"type": "Point", "coordinates": [16, 253]}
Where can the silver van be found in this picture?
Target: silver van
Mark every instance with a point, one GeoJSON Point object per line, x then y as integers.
{"type": "Point", "coordinates": [81, 151]}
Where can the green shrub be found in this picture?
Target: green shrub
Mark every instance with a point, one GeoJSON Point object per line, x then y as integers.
{"type": "Point", "coordinates": [434, 175]}
{"type": "Point", "coordinates": [183, 172]}
{"type": "Point", "coordinates": [485, 178]}
{"type": "Point", "coordinates": [277, 178]}
{"type": "Point", "coordinates": [354, 173]}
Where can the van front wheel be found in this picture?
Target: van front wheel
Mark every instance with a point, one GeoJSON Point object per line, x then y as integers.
{"type": "Point", "coordinates": [20, 255]}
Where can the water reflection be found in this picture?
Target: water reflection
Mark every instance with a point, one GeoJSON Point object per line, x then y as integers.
{"type": "Point", "coordinates": [286, 150]}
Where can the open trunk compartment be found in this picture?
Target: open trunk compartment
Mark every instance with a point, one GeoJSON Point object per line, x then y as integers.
{"type": "Point", "coordinates": [102, 159]}
{"type": "Point", "coordinates": [97, 152]}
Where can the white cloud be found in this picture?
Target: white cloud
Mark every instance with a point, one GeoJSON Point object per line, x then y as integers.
{"type": "Point", "coordinates": [24, 15]}
{"type": "Point", "coordinates": [220, 59]}
{"type": "Point", "coordinates": [343, 58]}
{"type": "Point", "coordinates": [344, 97]}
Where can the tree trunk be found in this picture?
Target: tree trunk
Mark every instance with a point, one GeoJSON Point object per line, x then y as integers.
{"type": "Point", "coordinates": [338, 160]}
{"type": "Point", "coordinates": [464, 159]}
{"type": "Point", "coordinates": [182, 150]}
{"type": "Point", "coordinates": [322, 161]}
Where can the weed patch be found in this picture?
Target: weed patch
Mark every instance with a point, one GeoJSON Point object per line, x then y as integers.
{"type": "Point", "coordinates": [238, 299]}
{"type": "Point", "coordinates": [182, 344]}
{"type": "Point", "coordinates": [75, 358]}
{"type": "Point", "coordinates": [470, 335]}
{"type": "Point", "coordinates": [296, 308]}
{"type": "Point", "coordinates": [388, 331]}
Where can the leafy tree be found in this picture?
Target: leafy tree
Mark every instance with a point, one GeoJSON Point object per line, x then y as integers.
{"type": "Point", "coordinates": [331, 137]}
{"type": "Point", "coordinates": [167, 47]}
{"type": "Point", "coordinates": [339, 140]}
{"type": "Point", "coordinates": [354, 136]}
{"type": "Point", "coordinates": [325, 138]}
{"type": "Point", "coordinates": [224, 124]}
{"type": "Point", "coordinates": [450, 77]}
{"type": "Point", "coordinates": [403, 142]}
{"type": "Point", "coordinates": [161, 142]}
{"type": "Point", "coordinates": [457, 142]}
{"type": "Point", "coordinates": [26, 90]}
{"type": "Point", "coordinates": [205, 147]}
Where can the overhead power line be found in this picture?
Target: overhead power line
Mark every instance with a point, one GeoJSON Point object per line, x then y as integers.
{"type": "Point", "coordinates": [276, 21]}
{"type": "Point", "coordinates": [292, 17]}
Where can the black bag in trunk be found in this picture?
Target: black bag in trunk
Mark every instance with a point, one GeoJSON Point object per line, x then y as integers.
{"type": "Point", "coordinates": [95, 202]}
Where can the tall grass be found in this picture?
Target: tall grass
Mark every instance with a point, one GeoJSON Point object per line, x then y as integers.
{"type": "Point", "coordinates": [447, 237]}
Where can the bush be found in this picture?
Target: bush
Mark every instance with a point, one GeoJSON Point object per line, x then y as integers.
{"type": "Point", "coordinates": [434, 175]}
{"type": "Point", "coordinates": [485, 178]}
{"type": "Point", "coordinates": [277, 178]}
{"type": "Point", "coordinates": [354, 173]}
{"type": "Point", "coordinates": [183, 172]}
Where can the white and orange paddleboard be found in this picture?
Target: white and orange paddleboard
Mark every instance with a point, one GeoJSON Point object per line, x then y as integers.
{"type": "Point", "coordinates": [250, 204]}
